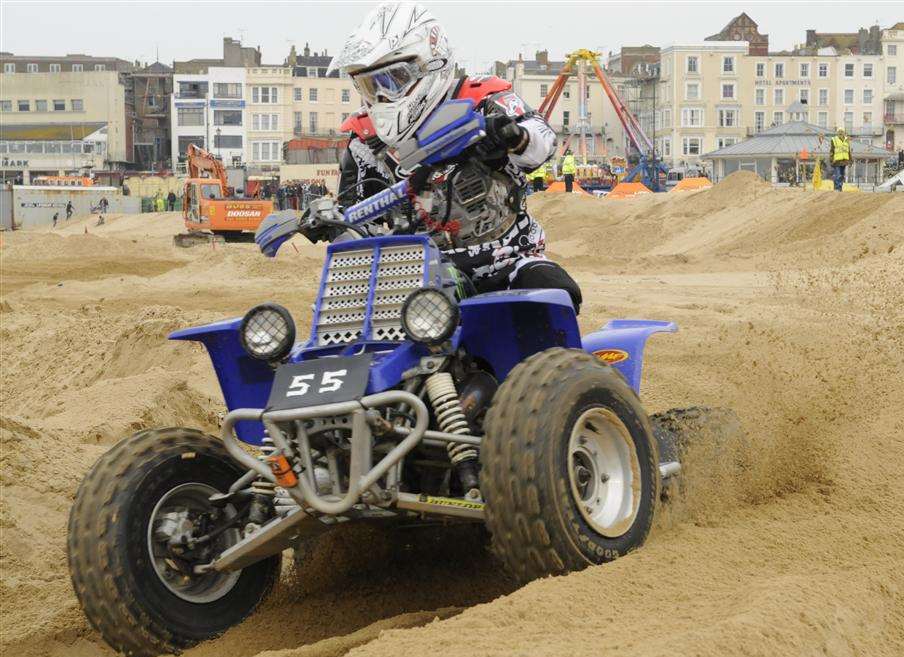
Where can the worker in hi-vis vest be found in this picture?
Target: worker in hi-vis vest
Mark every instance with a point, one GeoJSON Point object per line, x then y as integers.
{"type": "Point", "coordinates": [537, 178]}
{"type": "Point", "coordinates": [569, 168]}
{"type": "Point", "coordinates": [840, 157]}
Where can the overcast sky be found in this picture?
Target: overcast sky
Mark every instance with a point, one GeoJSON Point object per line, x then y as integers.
{"type": "Point", "coordinates": [480, 31]}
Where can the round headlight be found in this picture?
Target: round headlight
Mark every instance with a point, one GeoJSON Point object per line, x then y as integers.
{"type": "Point", "coordinates": [267, 332]}
{"type": "Point", "coordinates": [429, 316]}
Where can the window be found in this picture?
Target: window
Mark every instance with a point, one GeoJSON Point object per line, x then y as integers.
{"type": "Point", "coordinates": [54, 68]}
{"type": "Point", "coordinates": [692, 91]}
{"type": "Point", "coordinates": [566, 117]}
{"type": "Point", "coordinates": [760, 69]}
{"type": "Point", "coordinates": [759, 121]}
{"type": "Point", "coordinates": [759, 97]}
{"type": "Point", "coordinates": [100, 67]}
{"type": "Point", "coordinates": [192, 90]}
{"type": "Point", "coordinates": [265, 151]}
{"type": "Point", "coordinates": [848, 121]}
{"type": "Point", "coordinates": [312, 71]}
{"type": "Point", "coordinates": [40, 106]}
{"type": "Point", "coordinates": [822, 119]}
{"type": "Point", "coordinates": [544, 89]}
{"type": "Point", "coordinates": [567, 92]}
{"type": "Point", "coordinates": [692, 64]}
{"type": "Point", "coordinates": [823, 97]}
{"type": "Point", "coordinates": [667, 147]}
{"type": "Point", "coordinates": [867, 96]}
{"type": "Point", "coordinates": [868, 71]}
{"type": "Point", "coordinates": [9, 67]}
{"type": "Point", "coordinates": [59, 106]}
{"type": "Point", "coordinates": [804, 70]}
{"type": "Point", "coordinates": [227, 90]}
{"type": "Point", "coordinates": [822, 70]}
{"type": "Point", "coordinates": [723, 142]}
{"type": "Point", "coordinates": [312, 95]}
{"type": "Point", "coordinates": [264, 95]}
{"type": "Point", "coordinates": [691, 117]}
{"type": "Point", "coordinates": [227, 117]}
{"type": "Point", "coordinates": [31, 68]}
{"type": "Point", "coordinates": [848, 96]}
{"type": "Point", "coordinates": [728, 118]}
{"type": "Point", "coordinates": [891, 75]}
{"type": "Point", "coordinates": [189, 116]}
{"type": "Point", "coordinates": [778, 118]}
{"type": "Point", "coordinates": [804, 96]}
{"type": "Point", "coordinates": [346, 96]}
{"type": "Point", "coordinates": [892, 49]}
{"type": "Point", "coordinates": [24, 106]}
{"type": "Point", "coordinates": [344, 117]}
{"type": "Point", "coordinates": [728, 64]}
{"type": "Point", "coordinates": [6, 106]}
{"type": "Point", "coordinates": [779, 70]}
{"type": "Point", "coordinates": [868, 118]}
{"type": "Point", "coordinates": [312, 122]}
{"type": "Point", "coordinates": [691, 145]}
{"type": "Point", "coordinates": [185, 141]}
{"type": "Point", "coordinates": [728, 90]}
{"type": "Point", "coordinates": [848, 70]}
{"type": "Point", "coordinates": [296, 93]}
{"type": "Point", "coordinates": [265, 121]}
{"type": "Point", "coordinates": [778, 97]}
{"type": "Point", "coordinates": [296, 122]}
{"type": "Point", "coordinates": [77, 68]}
{"type": "Point", "coordinates": [227, 141]}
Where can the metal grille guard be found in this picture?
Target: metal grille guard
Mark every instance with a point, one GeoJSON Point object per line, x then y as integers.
{"type": "Point", "coordinates": [363, 475]}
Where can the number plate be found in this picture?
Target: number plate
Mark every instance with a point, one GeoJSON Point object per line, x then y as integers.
{"type": "Point", "coordinates": [321, 381]}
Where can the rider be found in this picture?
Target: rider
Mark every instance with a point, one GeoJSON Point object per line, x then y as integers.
{"type": "Point", "coordinates": [400, 61]}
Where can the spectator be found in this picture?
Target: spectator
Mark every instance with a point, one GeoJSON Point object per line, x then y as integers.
{"type": "Point", "coordinates": [104, 204]}
{"type": "Point", "coordinates": [901, 158]}
{"type": "Point", "coordinates": [171, 200]}
{"type": "Point", "coordinates": [69, 210]}
{"type": "Point", "coordinates": [569, 168]}
{"type": "Point", "coordinates": [56, 217]}
{"type": "Point", "coordinates": [159, 205]}
{"type": "Point", "coordinates": [840, 157]}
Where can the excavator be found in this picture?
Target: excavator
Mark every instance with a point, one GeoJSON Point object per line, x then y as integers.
{"type": "Point", "coordinates": [208, 208]}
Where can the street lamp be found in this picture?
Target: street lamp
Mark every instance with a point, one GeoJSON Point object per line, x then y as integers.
{"type": "Point", "coordinates": [218, 143]}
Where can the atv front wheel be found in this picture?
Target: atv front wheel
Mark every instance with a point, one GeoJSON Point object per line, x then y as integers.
{"type": "Point", "coordinates": [130, 564]}
{"type": "Point", "coordinates": [569, 466]}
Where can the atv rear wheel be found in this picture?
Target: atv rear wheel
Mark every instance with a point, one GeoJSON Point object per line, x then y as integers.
{"type": "Point", "coordinates": [130, 570]}
{"type": "Point", "coordinates": [569, 466]}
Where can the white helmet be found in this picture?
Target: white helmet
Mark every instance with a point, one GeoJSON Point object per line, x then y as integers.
{"type": "Point", "coordinates": [401, 64]}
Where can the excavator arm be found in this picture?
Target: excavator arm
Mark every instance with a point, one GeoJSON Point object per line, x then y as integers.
{"type": "Point", "coordinates": [202, 164]}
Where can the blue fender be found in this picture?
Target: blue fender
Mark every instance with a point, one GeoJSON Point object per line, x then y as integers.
{"type": "Point", "coordinates": [620, 344]}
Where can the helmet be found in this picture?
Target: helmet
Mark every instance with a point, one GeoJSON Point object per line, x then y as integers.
{"type": "Point", "coordinates": [401, 64]}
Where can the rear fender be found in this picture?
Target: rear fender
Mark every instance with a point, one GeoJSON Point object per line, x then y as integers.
{"type": "Point", "coordinates": [620, 343]}
{"type": "Point", "coordinates": [504, 328]}
{"type": "Point", "coordinates": [245, 382]}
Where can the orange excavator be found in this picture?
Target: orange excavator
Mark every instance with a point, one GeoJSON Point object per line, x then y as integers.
{"type": "Point", "coordinates": [209, 211]}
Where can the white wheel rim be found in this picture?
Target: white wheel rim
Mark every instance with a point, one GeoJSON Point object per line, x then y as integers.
{"type": "Point", "coordinates": [604, 472]}
{"type": "Point", "coordinates": [199, 589]}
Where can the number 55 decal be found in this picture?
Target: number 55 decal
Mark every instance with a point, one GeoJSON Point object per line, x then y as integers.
{"type": "Point", "coordinates": [329, 382]}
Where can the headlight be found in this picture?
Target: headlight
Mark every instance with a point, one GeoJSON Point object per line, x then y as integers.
{"type": "Point", "coordinates": [429, 316]}
{"type": "Point", "coordinates": [268, 332]}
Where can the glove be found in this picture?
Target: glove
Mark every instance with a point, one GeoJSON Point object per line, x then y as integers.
{"type": "Point", "coordinates": [503, 134]}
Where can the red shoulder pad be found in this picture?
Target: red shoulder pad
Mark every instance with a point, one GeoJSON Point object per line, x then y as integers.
{"type": "Point", "coordinates": [479, 87]}
{"type": "Point", "coordinates": [360, 124]}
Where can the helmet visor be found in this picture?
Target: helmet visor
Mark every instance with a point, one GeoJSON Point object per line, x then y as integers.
{"type": "Point", "coordinates": [391, 82]}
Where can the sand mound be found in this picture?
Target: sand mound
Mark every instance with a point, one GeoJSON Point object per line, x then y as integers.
{"type": "Point", "coordinates": [783, 539]}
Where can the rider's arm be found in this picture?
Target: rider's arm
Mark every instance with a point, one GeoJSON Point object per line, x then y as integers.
{"type": "Point", "coordinates": [538, 141]}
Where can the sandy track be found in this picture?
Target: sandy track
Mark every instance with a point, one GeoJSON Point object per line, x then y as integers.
{"type": "Point", "coordinates": [788, 542]}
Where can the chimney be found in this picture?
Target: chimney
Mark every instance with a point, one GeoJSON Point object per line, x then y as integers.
{"type": "Point", "coordinates": [307, 50]}
{"type": "Point", "coordinates": [542, 57]}
{"type": "Point", "coordinates": [811, 37]}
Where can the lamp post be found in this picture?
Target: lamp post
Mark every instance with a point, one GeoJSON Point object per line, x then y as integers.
{"type": "Point", "coordinates": [218, 143]}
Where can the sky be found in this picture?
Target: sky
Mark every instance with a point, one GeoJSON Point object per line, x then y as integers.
{"type": "Point", "coordinates": [479, 31]}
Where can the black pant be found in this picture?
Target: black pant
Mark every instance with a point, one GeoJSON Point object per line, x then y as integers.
{"type": "Point", "coordinates": [569, 182]}
{"type": "Point", "coordinates": [538, 184]}
{"type": "Point", "coordinates": [536, 275]}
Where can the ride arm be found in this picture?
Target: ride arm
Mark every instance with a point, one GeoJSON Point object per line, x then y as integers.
{"type": "Point", "coordinates": [635, 133]}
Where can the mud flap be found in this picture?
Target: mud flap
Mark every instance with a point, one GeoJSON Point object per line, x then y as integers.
{"type": "Point", "coordinates": [620, 343]}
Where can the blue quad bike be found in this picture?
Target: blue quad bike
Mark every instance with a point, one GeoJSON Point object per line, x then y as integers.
{"type": "Point", "coordinates": [412, 400]}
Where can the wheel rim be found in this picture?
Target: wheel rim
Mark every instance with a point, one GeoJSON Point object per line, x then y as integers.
{"type": "Point", "coordinates": [604, 472]}
{"type": "Point", "coordinates": [175, 513]}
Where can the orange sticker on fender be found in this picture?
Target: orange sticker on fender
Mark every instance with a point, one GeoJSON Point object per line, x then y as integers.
{"type": "Point", "coordinates": [611, 356]}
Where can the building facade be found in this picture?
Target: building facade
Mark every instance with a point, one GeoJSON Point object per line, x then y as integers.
{"type": "Point", "coordinates": [62, 115]}
{"type": "Point", "coordinates": [268, 115]}
{"type": "Point", "coordinates": [208, 109]}
{"type": "Point", "coordinates": [152, 91]}
{"type": "Point", "coordinates": [893, 86]}
{"type": "Point", "coordinates": [320, 102]}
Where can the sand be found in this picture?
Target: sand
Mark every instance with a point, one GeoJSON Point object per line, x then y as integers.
{"type": "Point", "coordinates": [785, 539]}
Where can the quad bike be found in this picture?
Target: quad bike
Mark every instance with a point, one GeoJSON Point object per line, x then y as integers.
{"type": "Point", "coordinates": [414, 399]}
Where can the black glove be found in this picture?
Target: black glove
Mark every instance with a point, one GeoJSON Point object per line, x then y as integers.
{"type": "Point", "coordinates": [503, 134]}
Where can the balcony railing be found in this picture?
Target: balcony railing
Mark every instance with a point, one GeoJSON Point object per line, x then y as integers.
{"type": "Point", "coordinates": [894, 117]}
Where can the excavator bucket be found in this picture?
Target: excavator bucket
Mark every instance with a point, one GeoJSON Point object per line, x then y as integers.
{"type": "Point", "coordinates": [185, 240]}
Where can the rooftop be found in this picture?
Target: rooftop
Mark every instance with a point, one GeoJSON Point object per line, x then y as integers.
{"type": "Point", "coordinates": [789, 139]}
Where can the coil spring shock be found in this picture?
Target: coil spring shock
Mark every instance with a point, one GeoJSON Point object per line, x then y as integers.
{"type": "Point", "coordinates": [451, 419]}
{"type": "Point", "coordinates": [261, 486]}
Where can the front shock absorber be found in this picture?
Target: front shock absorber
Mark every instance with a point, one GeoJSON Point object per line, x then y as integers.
{"type": "Point", "coordinates": [451, 419]}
